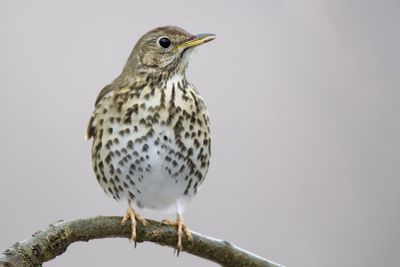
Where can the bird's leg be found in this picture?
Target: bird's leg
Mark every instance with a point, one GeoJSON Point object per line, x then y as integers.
{"type": "Point", "coordinates": [181, 228]}
{"type": "Point", "coordinates": [131, 214]}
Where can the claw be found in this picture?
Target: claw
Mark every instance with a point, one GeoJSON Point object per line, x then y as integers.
{"type": "Point", "coordinates": [134, 217]}
{"type": "Point", "coordinates": [141, 219]}
{"type": "Point", "coordinates": [181, 229]}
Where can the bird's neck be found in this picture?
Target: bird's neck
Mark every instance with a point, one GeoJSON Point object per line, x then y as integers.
{"type": "Point", "coordinates": [137, 73]}
{"type": "Point", "coordinates": [158, 79]}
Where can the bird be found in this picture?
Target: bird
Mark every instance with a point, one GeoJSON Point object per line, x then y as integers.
{"type": "Point", "coordinates": [151, 130]}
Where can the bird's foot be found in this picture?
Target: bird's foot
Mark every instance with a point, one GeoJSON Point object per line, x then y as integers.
{"type": "Point", "coordinates": [134, 217]}
{"type": "Point", "coordinates": [181, 228]}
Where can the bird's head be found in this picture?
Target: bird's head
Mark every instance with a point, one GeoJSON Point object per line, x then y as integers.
{"type": "Point", "coordinates": [164, 49]}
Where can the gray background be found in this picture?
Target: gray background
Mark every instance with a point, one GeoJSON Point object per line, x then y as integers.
{"type": "Point", "coordinates": [304, 102]}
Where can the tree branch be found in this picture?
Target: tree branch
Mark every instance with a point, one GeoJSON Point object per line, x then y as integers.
{"type": "Point", "coordinates": [47, 244]}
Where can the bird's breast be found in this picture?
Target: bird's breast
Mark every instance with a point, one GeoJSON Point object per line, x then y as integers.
{"type": "Point", "coordinates": [154, 146]}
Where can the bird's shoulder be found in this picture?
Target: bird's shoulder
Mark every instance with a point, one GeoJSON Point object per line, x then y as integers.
{"type": "Point", "coordinates": [105, 91]}
{"type": "Point", "coordinates": [112, 96]}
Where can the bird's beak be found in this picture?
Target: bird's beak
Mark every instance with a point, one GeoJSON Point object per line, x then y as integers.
{"type": "Point", "coordinates": [196, 40]}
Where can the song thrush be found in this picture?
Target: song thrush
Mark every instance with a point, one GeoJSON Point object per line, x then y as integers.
{"type": "Point", "coordinates": [150, 129]}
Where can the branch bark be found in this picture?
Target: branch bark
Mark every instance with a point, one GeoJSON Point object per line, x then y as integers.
{"type": "Point", "coordinates": [47, 244]}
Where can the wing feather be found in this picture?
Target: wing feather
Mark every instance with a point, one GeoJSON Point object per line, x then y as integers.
{"type": "Point", "coordinates": [91, 127]}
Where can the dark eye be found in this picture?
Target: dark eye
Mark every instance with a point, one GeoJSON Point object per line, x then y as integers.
{"type": "Point", "coordinates": [164, 42]}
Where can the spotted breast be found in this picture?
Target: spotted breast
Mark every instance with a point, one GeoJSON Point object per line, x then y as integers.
{"type": "Point", "coordinates": [152, 142]}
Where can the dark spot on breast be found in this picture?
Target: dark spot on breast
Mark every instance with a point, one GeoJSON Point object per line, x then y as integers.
{"type": "Point", "coordinates": [182, 168]}
{"type": "Point", "coordinates": [196, 143]}
{"type": "Point", "coordinates": [133, 167]}
{"type": "Point", "coordinates": [157, 141]}
{"type": "Point", "coordinates": [110, 190]}
{"type": "Point", "coordinates": [145, 148]}
{"type": "Point", "coordinates": [130, 144]}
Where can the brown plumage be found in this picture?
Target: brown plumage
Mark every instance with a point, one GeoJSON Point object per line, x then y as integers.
{"type": "Point", "coordinates": [150, 128]}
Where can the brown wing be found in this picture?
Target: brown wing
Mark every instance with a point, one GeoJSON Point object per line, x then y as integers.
{"type": "Point", "coordinates": [90, 128]}
{"type": "Point", "coordinates": [103, 92]}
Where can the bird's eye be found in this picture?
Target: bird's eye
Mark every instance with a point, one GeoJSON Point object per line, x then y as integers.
{"type": "Point", "coordinates": [164, 42]}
